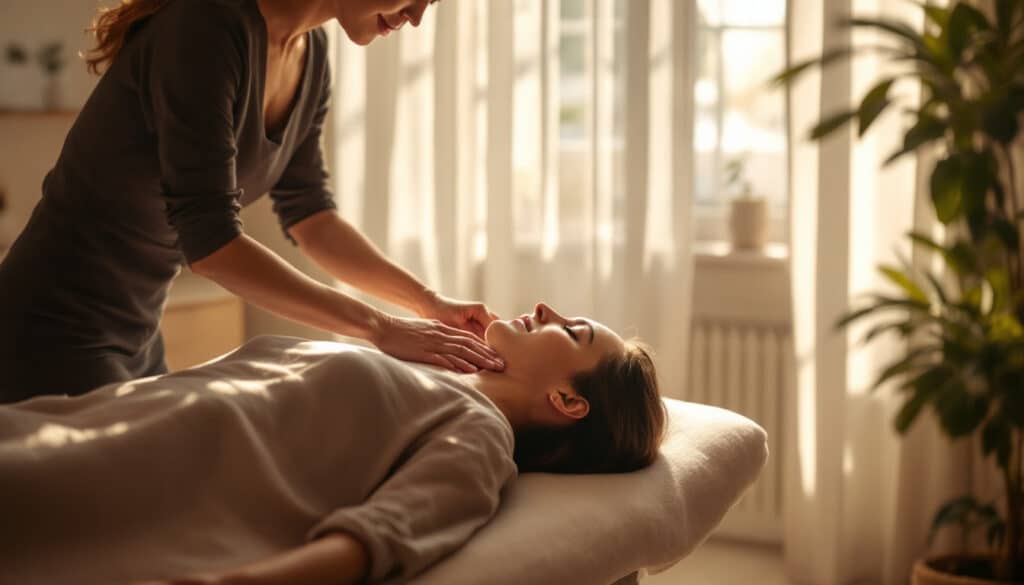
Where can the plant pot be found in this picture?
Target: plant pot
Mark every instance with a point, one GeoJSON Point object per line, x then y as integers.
{"type": "Point", "coordinates": [748, 222]}
{"type": "Point", "coordinates": [935, 571]}
{"type": "Point", "coordinates": [53, 93]}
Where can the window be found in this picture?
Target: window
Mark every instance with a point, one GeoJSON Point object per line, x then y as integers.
{"type": "Point", "coordinates": [740, 124]}
{"type": "Point", "coordinates": [575, 86]}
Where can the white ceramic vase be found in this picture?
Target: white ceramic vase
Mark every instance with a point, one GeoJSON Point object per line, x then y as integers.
{"type": "Point", "coordinates": [748, 223]}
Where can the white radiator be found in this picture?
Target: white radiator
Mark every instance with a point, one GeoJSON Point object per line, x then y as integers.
{"type": "Point", "coordinates": [745, 367]}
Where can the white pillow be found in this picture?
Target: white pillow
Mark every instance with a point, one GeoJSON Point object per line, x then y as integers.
{"type": "Point", "coordinates": [595, 529]}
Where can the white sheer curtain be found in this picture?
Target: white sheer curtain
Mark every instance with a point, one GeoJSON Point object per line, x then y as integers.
{"type": "Point", "coordinates": [859, 500]}
{"type": "Point", "coordinates": [446, 151]}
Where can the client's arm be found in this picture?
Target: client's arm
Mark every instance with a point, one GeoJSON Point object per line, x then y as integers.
{"type": "Point", "coordinates": [335, 559]}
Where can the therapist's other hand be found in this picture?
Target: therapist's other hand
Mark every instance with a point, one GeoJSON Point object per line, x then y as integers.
{"type": "Point", "coordinates": [469, 316]}
{"type": "Point", "coordinates": [430, 341]}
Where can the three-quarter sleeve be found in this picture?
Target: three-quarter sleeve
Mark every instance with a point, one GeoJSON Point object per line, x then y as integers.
{"type": "Point", "coordinates": [431, 505]}
{"type": "Point", "coordinates": [195, 63]}
{"type": "Point", "coordinates": [303, 188]}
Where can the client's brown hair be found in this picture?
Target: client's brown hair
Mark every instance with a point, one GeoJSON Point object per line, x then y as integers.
{"type": "Point", "coordinates": [111, 28]}
{"type": "Point", "coordinates": [622, 431]}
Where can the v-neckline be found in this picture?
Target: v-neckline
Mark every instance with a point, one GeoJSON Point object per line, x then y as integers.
{"type": "Point", "coordinates": [261, 87]}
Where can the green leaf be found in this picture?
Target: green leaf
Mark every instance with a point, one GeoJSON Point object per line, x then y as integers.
{"type": "Point", "coordinates": [959, 411]}
{"type": "Point", "coordinates": [996, 534]}
{"type": "Point", "coordinates": [961, 258]}
{"type": "Point", "coordinates": [873, 104]}
{"type": "Point", "coordinates": [925, 130]}
{"type": "Point", "coordinates": [858, 314]}
{"type": "Point", "coordinates": [910, 410]}
{"type": "Point", "coordinates": [999, 280]}
{"type": "Point", "coordinates": [1005, 328]}
{"type": "Point", "coordinates": [1007, 232]}
{"type": "Point", "coordinates": [1013, 406]}
{"type": "Point", "coordinates": [940, 290]}
{"type": "Point", "coordinates": [790, 74]}
{"type": "Point", "coordinates": [1000, 120]}
{"type": "Point", "coordinates": [964, 22]}
{"type": "Point", "coordinates": [946, 187]}
{"type": "Point", "coordinates": [903, 326]}
{"type": "Point", "coordinates": [831, 123]}
{"type": "Point", "coordinates": [882, 303]}
{"type": "Point", "coordinates": [935, 13]}
{"type": "Point", "coordinates": [954, 511]}
{"type": "Point", "coordinates": [905, 282]}
{"type": "Point", "coordinates": [996, 439]}
{"type": "Point", "coordinates": [1006, 11]}
{"type": "Point", "coordinates": [905, 365]}
{"type": "Point", "coordinates": [978, 172]}
{"type": "Point", "coordinates": [895, 28]}
{"type": "Point", "coordinates": [926, 241]}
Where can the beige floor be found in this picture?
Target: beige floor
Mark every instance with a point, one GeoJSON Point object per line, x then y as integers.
{"type": "Point", "coordinates": [719, 562]}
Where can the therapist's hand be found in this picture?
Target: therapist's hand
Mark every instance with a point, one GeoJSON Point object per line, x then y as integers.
{"type": "Point", "coordinates": [430, 341]}
{"type": "Point", "coordinates": [472, 317]}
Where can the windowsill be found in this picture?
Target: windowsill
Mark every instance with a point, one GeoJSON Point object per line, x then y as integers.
{"type": "Point", "coordinates": [722, 253]}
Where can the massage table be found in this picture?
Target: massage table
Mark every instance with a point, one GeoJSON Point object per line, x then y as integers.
{"type": "Point", "coordinates": [613, 529]}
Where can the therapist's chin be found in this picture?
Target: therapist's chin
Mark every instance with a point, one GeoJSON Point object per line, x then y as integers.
{"type": "Point", "coordinates": [362, 36]}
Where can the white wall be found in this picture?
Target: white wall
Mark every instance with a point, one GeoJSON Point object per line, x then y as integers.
{"type": "Point", "coordinates": [32, 23]}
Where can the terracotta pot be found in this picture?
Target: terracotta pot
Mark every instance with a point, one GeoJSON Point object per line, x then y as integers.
{"type": "Point", "coordinates": [926, 573]}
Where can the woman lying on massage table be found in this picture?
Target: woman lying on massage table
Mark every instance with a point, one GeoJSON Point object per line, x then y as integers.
{"type": "Point", "coordinates": [301, 462]}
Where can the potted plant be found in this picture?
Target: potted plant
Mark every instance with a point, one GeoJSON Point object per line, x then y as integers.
{"type": "Point", "coordinates": [16, 79]}
{"type": "Point", "coordinates": [747, 212]}
{"type": "Point", "coordinates": [965, 357]}
{"type": "Point", "coordinates": [51, 59]}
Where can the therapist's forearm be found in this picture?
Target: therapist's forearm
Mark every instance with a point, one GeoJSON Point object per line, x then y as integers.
{"type": "Point", "coordinates": [256, 274]}
{"type": "Point", "coordinates": [348, 255]}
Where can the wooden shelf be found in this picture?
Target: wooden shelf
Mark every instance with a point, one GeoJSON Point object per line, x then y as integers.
{"type": "Point", "coordinates": [37, 113]}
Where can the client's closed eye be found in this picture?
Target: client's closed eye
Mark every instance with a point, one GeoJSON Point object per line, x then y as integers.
{"type": "Point", "coordinates": [571, 333]}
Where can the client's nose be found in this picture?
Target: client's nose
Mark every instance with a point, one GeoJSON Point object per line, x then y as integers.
{"type": "Point", "coordinates": [545, 313]}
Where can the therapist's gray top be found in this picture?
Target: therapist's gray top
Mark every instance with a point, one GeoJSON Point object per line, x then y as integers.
{"type": "Point", "coordinates": [168, 147]}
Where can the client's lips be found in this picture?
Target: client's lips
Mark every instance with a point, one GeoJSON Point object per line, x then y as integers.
{"type": "Point", "coordinates": [527, 322]}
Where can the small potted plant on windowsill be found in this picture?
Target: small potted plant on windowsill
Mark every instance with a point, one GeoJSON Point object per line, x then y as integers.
{"type": "Point", "coordinates": [748, 213]}
{"type": "Point", "coordinates": [965, 329]}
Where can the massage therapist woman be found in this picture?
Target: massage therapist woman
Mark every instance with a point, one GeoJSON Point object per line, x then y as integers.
{"type": "Point", "coordinates": [204, 106]}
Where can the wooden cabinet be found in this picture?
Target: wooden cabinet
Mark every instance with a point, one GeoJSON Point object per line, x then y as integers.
{"type": "Point", "coordinates": [201, 321]}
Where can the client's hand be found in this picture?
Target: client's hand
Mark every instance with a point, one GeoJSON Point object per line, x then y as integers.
{"type": "Point", "coordinates": [433, 342]}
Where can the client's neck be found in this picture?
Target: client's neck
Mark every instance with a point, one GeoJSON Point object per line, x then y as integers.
{"type": "Point", "coordinates": [509, 392]}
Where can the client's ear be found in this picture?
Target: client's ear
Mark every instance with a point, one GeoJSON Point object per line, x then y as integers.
{"type": "Point", "coordinates": [569, 403]}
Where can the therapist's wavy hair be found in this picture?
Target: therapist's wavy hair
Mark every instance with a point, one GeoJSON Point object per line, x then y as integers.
{"type": "Point", "coordinates": [622, 431]}
{"type": "Point", "coordinates": [111, 28]}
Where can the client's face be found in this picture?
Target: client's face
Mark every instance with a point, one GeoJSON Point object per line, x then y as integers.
{"type": "Point", "coordinates": [548, 347]}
